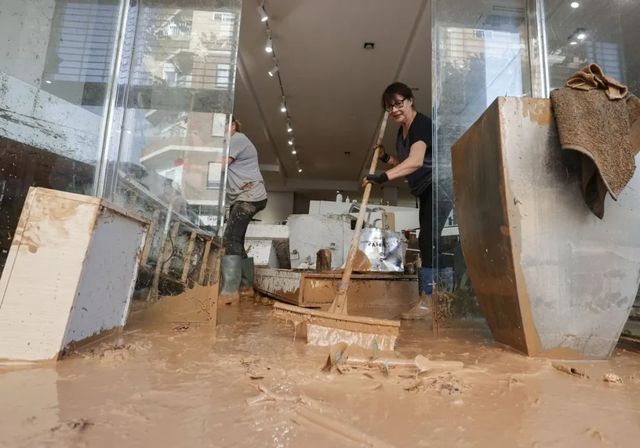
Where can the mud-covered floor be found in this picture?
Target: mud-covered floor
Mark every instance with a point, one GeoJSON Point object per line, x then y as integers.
{"type": "Point", "coordinates": [249, 384]}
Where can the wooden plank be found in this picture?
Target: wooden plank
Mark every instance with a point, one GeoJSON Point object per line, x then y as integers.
{"type": "Point", "coordinates": [149, 241]}
{"type": "Point", "coordinates": [43, 234]}
{"type": "Point", "coordinates": [162, 258]}
{"type": "Point", "coordinates": [57, 287]}
{"type": "Point", "coordinates": [323, 260]}
{"type": "Point", "coordinates": [281, 284]}
{"type": "Point", "coordinates": [204, 261]}
{"type": "Point", "coordinates": [187, 257]}
{"type": "Point", "coordinates": [213, 268]}
{"type": "Point", "coordinates": [323, 316]}
{"type": "Point", "coordinates": [316, 323]}
{"type": "Point", "coordinates": [168, 248]}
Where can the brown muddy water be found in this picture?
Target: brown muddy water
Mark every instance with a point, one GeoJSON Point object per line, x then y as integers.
{"type": "Point", "coordinates": [249, 384]}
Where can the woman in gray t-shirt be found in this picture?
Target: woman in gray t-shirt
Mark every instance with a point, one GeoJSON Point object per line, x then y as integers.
{"type": "Point", "coordinates": [246, 196]}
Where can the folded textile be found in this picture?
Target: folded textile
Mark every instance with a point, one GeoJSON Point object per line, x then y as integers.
{"type": "Point", "coordinates": [598, 117]}
{"type": "Point", "coordinates": [592, 77]}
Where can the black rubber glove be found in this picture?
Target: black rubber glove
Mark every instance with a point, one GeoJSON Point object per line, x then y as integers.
{"type": "Point", "coordinates": [377, 178]}
{"type": "Point", "coordinates": [383, 156]}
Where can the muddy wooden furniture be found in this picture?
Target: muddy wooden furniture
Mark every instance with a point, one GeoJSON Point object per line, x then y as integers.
{"type": "Point", "coordinates": [373, 294]}
{"type": "Point", "coordinates": [69, 275]}
{"type": "Point", "coordinates": [552, 279]}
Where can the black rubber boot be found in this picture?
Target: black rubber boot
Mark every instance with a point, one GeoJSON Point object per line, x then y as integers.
{"type": "Point", "coordinates": [231, 274]}
{"type": "Point", "coordinates": [248, 276]}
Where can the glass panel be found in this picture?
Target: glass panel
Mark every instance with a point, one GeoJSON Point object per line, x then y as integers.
{"type": "Point", "coordinates": [480, 51]}
{"type": "Point", "coordinates": [55, 71]}
{"type": "Point", "coordinates": [173, 110]}
{"type": "Point", "coordinates": [605, 33]}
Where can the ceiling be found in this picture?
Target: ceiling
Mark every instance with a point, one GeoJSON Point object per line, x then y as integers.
{"type": "Point", "coordinates": [331, 83]}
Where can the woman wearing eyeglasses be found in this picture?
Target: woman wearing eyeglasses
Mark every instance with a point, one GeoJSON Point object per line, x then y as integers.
{"type": "Point", "coordinates": [413, 161]}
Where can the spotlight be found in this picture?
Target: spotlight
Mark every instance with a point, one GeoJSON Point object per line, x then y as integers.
{"type": "Point", "coordinates": [290, 142]}
{"type": "Point", "coordinates": [575, 5]}
{"type": "Point", "coordinates": [273, 71]}
{"type": "Point", "coordinates": [289, 129]}
{"type": "Point", "coordinates": [283, 106]}
{"type": "Point", "coordinates": [299, 170]}
{"type": "Point", "coordinates": [578, 35]}
{"type": "Point", "coordinates": [269, 45]}
{"type": "Point", "coordinates": [294, 152]}
{"type": "Point", "coordinates": [263, 14]}
{"type": "Point", "coordinates": [573, 42]}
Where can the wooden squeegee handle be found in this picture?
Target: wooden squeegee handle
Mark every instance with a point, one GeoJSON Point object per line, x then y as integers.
{"type": "Point", "coordinates": [339, 304]}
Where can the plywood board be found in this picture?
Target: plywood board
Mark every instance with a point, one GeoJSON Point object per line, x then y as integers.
{"type": "Point", "coordinates": [69, 275]}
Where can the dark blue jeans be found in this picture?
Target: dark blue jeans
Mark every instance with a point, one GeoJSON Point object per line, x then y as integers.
{"type": "Point", "coordinates": [425, 240]}
{"type": "Point", "coordinates": [240, 216]}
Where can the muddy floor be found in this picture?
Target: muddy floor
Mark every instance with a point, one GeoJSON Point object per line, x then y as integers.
{"type": "Point", "coordinates": [249, 384]}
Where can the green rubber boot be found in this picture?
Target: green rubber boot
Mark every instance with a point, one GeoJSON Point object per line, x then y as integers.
{"type": "Point", "coordinates": [248, 276]}
{"type": "Point", "coordinates": [231, 275]}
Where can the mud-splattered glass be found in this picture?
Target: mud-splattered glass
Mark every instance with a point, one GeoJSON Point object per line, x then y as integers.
{"type": "Point", "coordinates": [605, 33]}
{"type": "Point", "coordinates": [480, 52]}
{"type": "Point", "coordinates": [168, 132]}
{"type": "Point", "coordinates": [56, 64]}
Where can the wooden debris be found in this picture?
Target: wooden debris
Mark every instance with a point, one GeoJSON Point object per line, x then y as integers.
{"type": "Point", "coordinates": [415, 386]}
{"type": "Point", "coordinates": [569, 370]}
{"type": "Point", "coordinates": [424, 364]}
{"type": "Point", "coordinates": [336, 352]}
{"type": "Point", "coordinates": [612, 378]}
{"type": "Point", "coordinates": [323, 260]}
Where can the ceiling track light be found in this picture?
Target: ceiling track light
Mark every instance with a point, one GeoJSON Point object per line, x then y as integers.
{"type": "Point", "coordinates": [578, 35]}
{"type": "Point", "coordinates": [289, 128]}
{"type": "Point", "coordinates": [575, 5]}
{"type": "Point", "coordinates": [273, 71]}
{"type": "Point", "coordinates": [294, 152]}
{"type": "Point", "coordinates": [268, 47]}
{"type": "Point", "coordinates": [283, 106]}
{"type": "Point", "coordinates": [290, 142]}
{"type": "Point", "coordinates": [299, 170]}
{"type": "Point", "coordinates": [263, 14]}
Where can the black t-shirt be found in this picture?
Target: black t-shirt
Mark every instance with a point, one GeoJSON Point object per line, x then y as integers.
{"type": "Point", "coordinates": [420, 130]}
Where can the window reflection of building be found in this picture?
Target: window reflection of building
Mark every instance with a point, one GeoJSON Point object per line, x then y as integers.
{"type": "Point", "coordinates": [182, 70]}
{"type": "Point", "coordinates": [81, 46]}
{"type": "Point", "coordinates": [593, 33]}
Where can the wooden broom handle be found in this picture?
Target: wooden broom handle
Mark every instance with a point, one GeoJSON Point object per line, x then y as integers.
{"type": "Point", "coordinates": [339, 305]}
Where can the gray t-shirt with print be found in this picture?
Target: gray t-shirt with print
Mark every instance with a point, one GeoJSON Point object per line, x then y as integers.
{"type": "Point", "coordinates": [244, 180]}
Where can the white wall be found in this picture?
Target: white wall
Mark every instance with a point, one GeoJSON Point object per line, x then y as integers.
{"type": "Point", "coordinates": [279, 207]}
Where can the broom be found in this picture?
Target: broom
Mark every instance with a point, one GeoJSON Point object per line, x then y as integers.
{"type": "Point", "coordinates": [326, 328]}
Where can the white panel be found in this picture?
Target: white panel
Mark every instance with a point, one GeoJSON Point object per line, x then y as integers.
{"type": "Point", "coordinates": [41, 275]}
{"type": "Point", "coordinates": [70, 271]}
{"type": "Point", "coordinates": [405, 217]}
{"type": "Point", "coordinates": [108, 276]}
{"type": "Point", "coordinates": [264, 231]}
{"type": "Point", "coordinates": [262, 252]}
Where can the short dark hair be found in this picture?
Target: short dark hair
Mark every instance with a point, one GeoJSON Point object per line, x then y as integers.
{"type": "Point", "coordinates": [397, 88]}
{"type": "Point", "coordinates": [237, 123]}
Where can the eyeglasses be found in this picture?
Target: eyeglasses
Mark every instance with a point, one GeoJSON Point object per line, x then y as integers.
{"type": "Point", "coordinates": [398, 104]}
